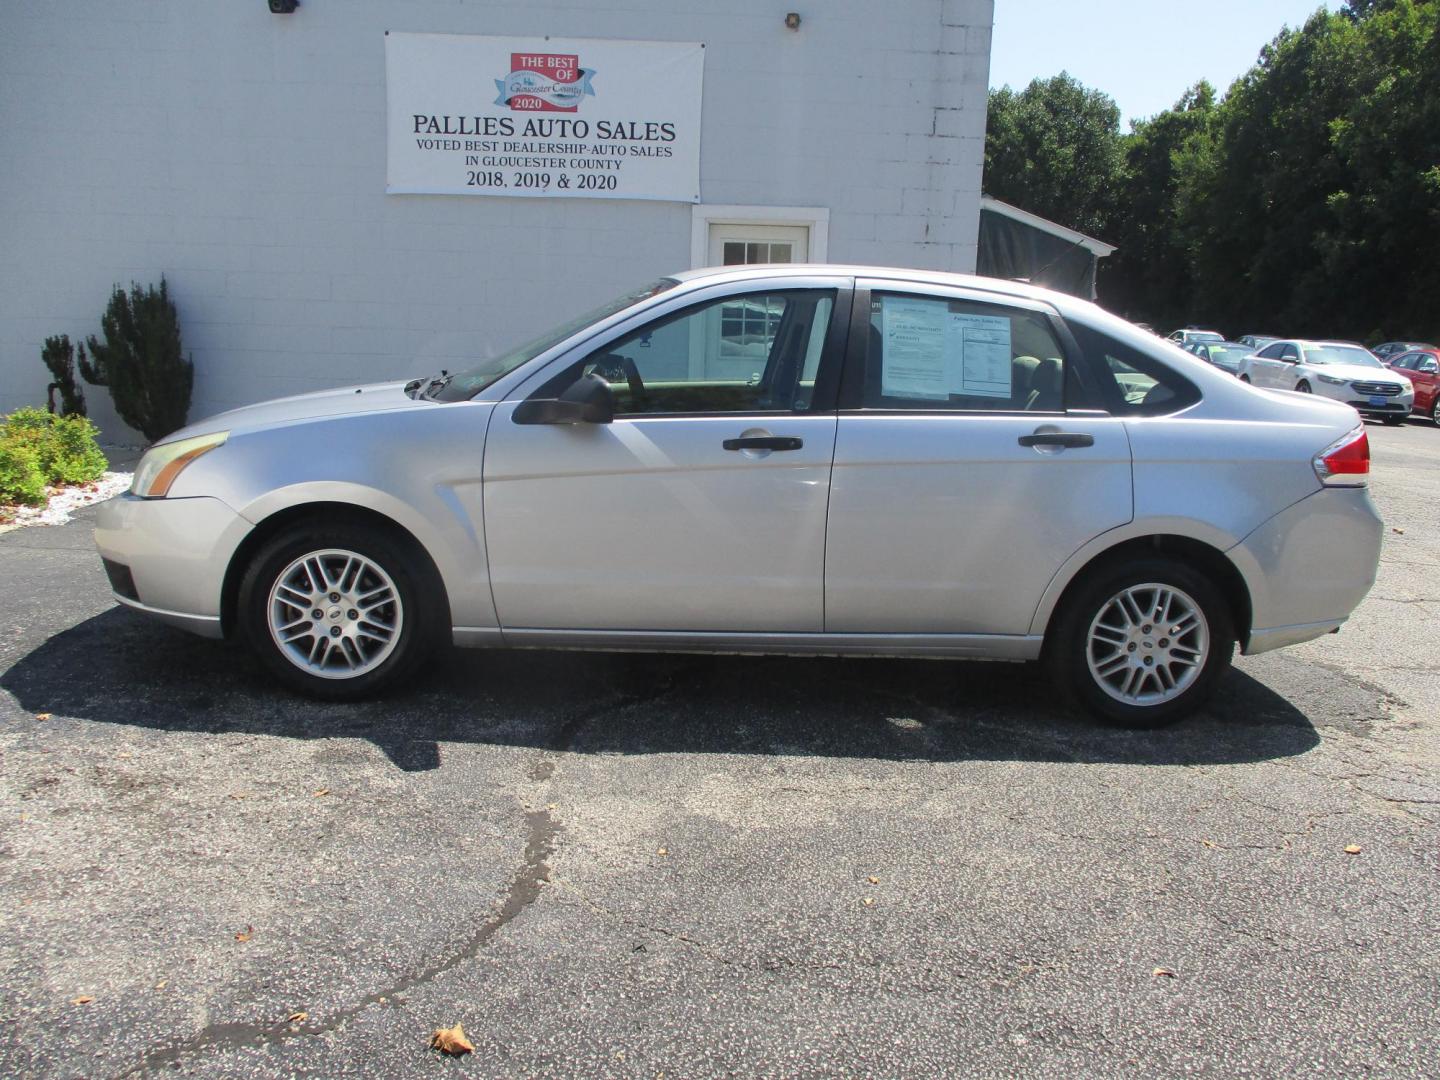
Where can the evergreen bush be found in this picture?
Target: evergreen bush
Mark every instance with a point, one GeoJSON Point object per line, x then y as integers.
{"type": "Point", "coordinates": [59, 357]}
{"type": "Point", "coordinates": [141, 361]}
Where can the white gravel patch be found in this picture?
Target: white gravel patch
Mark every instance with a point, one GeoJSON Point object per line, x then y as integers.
{"type": "Point", "coordinates": [67, 499]}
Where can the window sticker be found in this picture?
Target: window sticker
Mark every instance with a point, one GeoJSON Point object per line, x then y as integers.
{"type": "Point", "coordinates": [914, 355]}
{"type": "Point", "coordinates": [983, 343]}
{"type": "Point", "coordinates": [932, 353]}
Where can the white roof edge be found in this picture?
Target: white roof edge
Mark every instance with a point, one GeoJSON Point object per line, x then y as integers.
{"type": "Point", "coordinates": [1098, 248]}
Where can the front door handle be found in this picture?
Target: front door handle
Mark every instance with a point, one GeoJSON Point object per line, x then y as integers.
{"type": "Point", "coordinates": [1068, 439]}
{"type": "Point", "coordinates": [764, 442]}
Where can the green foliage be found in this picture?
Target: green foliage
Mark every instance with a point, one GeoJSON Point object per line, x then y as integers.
{"type": "Point", "coordinates": [1305, 202]}
{"type": "Point", "coordinates": [21, 480]}
{"type": "Point", "coordinates": [39, 448]}
{"type": "Point", "coordinates": [59, 357]}
{"type": "Point", "coordinates": [1054, 149]}
{"type": "Point", "coordinates": [141, 361]}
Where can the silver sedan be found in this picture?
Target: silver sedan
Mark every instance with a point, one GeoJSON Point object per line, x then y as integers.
{"type": "Point", "coordinates": [804, 459]}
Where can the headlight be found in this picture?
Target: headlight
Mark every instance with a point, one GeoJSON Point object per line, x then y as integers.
{"type": "Point", "coordinates": [1332, 380]}
{"type": "Point", "coordinates": [161, 465]}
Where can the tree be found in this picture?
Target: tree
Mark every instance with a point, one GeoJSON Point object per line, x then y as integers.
{"type": "Point", "coordinates": [1151, 273]}
{"type": "Point", "coordinates": [1054, 149]}
{"type": "Point", "coordinates": [141, 361]}
{"type": "Point", "coordinates": [59, 357]}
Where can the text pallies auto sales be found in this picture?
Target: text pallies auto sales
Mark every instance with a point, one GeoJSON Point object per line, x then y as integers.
{"type": "Point", "coordinates": [543, 128]}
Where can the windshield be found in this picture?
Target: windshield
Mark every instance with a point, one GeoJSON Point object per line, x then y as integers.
{"type": "Point", "coordinates": [1204, 335]}
{"type": "Point", "coordinates": [466, 384]}
{"type": "Point", "coordinates": [1321, 355]}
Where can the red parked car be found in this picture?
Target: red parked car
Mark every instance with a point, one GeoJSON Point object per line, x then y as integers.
{"type": "Point", "coordinates": [1422, 367]}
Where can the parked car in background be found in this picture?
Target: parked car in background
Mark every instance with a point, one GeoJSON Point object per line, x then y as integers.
{"type": "Point", "coordinates": [915, 464]}
{"type": "Point", "coordinates": [1334, 369]}
{"type": "Point", "coordinates": [1190, 333]}
{"type": "Point", "coordinates": [1392, 349]}
{"type": "Point", "coordinates": [1257, 341]}
{"type": "Point", "coordinates": [1422, 368]}
{"type": "Point", "coordinates": [1225, 355]}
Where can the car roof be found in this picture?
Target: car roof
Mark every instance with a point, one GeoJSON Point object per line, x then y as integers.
{"type": "Point", "coordinates": [720, 274]}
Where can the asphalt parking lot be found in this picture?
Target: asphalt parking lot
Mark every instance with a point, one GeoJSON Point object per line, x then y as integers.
{"type": "Point", "coordinates": [608, 865]}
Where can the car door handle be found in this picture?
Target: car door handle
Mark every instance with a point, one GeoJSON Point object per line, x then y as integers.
{"type": "Point", "coordinates": [1058, 438]}
{"type": "Point", "coordinates": [764, 442]}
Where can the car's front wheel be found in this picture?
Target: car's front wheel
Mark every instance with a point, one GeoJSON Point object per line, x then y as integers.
{"type": "Point", "coordinates": [335, 611]}
{"type": "Point", "coordinates": [1244, 378]}
{"type": "Point", "coordinates": [1141, 643]}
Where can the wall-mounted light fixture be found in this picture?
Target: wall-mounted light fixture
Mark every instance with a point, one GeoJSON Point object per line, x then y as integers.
{"type": "Point", "coordinates": [283, 7]}
{"type": "Point", "coordinates": [792, 20]}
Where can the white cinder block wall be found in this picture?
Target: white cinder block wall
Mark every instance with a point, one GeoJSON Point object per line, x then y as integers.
{"type": "Point", "coordinates": [242, 155]}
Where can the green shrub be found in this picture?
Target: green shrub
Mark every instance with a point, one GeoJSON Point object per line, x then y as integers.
{"type": "Point", "coordinates": [78, 458]}
{"type": "Point", "coordinates": [38, 448]}
{"type": "Point", "coordinates": [141, 360]}
{"type": "Point", "coordinates": [21, 480]}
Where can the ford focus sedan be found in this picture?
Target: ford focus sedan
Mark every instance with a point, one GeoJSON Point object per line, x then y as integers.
{"type": "Point", "coordinates": [799, 459]}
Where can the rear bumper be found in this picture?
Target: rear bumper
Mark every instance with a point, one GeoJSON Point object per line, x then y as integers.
{"type": "Point", "coordinates": [168, 557]}
{"type": "Point", "coordinates": [1309, 566]}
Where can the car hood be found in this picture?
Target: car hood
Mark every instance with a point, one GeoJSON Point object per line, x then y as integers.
{"type": "Point", "coordinates": [1359, 373]}
{"type": "Point", "coordinates": [348, 400]}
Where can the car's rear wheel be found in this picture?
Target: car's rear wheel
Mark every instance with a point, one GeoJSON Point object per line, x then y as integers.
{"type": "Point", "coordinates": [1141, 643]}
{"type": "Point", "coordinates": [1244, 378]}
{"type": "Point", "coordinates": [1302, 388]}
{"type": "Point", "coordinates": [336, 612]}
{"type": "Point", "coordinates": [1435, 411]}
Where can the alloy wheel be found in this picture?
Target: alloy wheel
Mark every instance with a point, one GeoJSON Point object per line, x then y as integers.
{"type": "Point", "coordinates": [1148, 644]}
{"type": "Point", "coordinates": [335, 614]}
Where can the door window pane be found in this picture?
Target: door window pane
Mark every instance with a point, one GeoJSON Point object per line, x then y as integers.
{"type": "Point", "coordinates": [933, 353]}
{"type": "Point", "coordinates": [759, 352]}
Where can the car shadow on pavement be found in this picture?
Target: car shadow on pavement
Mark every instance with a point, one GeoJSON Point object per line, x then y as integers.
{"type": "Point", "coordinates": [119, 668]}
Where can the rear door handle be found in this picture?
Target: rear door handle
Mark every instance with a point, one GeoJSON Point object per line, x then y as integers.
{"type": "Point", "coordinates": [1069, 439]}
{"type": "Point", "coordinates": [764, 442]}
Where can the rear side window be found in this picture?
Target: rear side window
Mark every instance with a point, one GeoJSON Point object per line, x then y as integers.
{"type": "Point", "coordinates": [934, 353]}
{"type": "Point", "coordinates": [1133, 383]}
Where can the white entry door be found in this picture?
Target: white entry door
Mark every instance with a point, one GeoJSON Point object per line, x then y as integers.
{"type": "Point", "coordinates": [745, 245]}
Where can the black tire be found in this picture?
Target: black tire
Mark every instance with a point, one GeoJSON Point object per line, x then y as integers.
{"type": "Point", "coordinates": [1067, 644]}
{"type": "Point", "coordinates": [1303, 387]}
{"type": "Point", "coordinates": [414, 607]}
{"type": "Point", "coordinates": [1243, 378]}
{"type": "Point", "coordinates": [1393, 421]}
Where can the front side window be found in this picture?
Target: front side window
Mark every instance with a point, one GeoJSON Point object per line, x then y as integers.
{"type": "Point", "coordinates": [1272, 352]}
{"type": "Point", "coordinates": [1407, 361]}
{"type": "Point", "coordinates": [757, 352]}
{"type": "Point", "coordinates": [934, 353]}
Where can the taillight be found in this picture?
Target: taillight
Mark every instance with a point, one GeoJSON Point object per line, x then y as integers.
{"type": "Point", "coordinates": [1346, 461]}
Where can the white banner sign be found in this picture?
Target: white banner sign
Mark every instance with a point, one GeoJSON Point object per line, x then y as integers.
{"type": "Point", "coordinates": [543, 116]}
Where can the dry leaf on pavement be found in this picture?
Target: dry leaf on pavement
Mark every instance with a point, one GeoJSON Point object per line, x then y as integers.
{"type": "Point", "coordinates": [83, 999]}
{"type": "Point", "coordinates": [1162, 971]}
{"type": "Point", "coordinates": [451, 1041]}
{"type": "Point", "coordinates": [869, 901]}
{"type": "Point", "coordinates": [873, 880]}
{"type": "Point", "coordinates": [322, 791]}
{"type": "Point", "coordinates": [1352, 849]}
{"type": "Point", "coordinates": [247, 934]}
{"type": "Point", "coordinates": [297, 1018]}
{"type": "Point", "coordinates": [42, 716]}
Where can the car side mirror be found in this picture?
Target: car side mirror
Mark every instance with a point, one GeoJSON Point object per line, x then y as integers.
{"type": "Point", "coordinates": [588, 400]}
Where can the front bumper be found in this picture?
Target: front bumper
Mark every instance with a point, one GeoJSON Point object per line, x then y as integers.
{"type": "Point", "coordinates": [168, 557]}
{"type": "Point", "coordinates": [1309, 566]}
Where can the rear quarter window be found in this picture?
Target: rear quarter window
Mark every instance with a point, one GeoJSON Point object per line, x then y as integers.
{"type": "Point", "coordinates": [1132, 383]}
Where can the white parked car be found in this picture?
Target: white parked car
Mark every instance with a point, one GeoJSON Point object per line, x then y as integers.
{"type": "Point", "coordinates": [1190, 335]}
{"type": "Point", "coordinates": [1333, 369]}
{"type": "Point", "coordinates": [803, 459]}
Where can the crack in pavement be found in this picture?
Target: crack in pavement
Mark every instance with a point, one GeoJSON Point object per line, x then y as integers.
{"type": "Point", "coordinates": [542, 834]}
